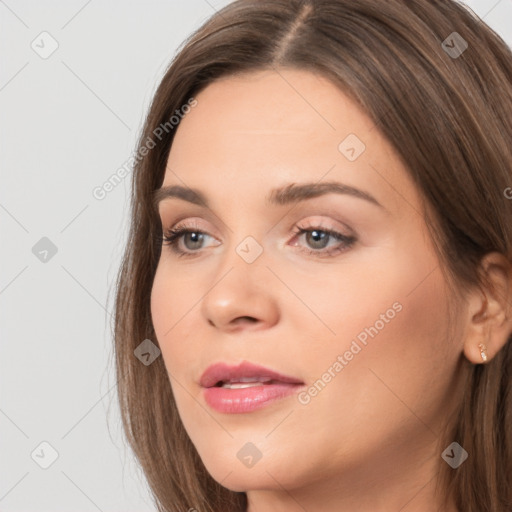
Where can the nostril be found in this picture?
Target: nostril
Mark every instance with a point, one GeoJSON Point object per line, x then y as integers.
{"type": "Point", "coordinates": [242, 319]}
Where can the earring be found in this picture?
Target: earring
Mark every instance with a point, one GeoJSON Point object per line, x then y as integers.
{"type": "Point", "coordinates": [483, 351]}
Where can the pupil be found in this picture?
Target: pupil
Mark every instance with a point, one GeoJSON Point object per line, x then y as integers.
{"type": "Point", "coordinates": [318, 236]}
{"type": "Point", "coordinates": [196, 239]}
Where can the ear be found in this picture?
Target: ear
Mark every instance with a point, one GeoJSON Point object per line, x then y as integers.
{"type": "Point", "coordinates": [490, 308]}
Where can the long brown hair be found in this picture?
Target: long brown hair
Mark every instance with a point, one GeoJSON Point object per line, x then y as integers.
{"type": "Point", "coordinates": [444, 107]}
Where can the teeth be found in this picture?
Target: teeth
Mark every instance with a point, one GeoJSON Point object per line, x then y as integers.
{"type": "Point", "coordinates": [242, 385]}
{"type": "Point", "coordinates": [252, 379]}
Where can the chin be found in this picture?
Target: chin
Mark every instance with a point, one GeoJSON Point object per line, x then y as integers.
{"type": "Point", "coordinates": [232, 467]}
{"type": "Point", "coordinates": [244, 479]}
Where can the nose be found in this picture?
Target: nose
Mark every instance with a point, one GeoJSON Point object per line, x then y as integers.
{"type": "Point", "coordinates": [240, 298]}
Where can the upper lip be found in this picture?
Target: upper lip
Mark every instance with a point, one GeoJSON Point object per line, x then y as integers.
{"type": "Point", "coordinates": [223, 372]}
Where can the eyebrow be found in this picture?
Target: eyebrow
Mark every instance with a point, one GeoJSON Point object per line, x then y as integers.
{"type": "Point", "coordinates": [292, 193]}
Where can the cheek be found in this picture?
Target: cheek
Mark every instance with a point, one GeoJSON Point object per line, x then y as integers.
{"type": "Point", "coordinates": [402, 315]}
{"type": "Point", "coordinates": [162, 302]}
{"type": "Point", "coordinates": [393, 296]}
{"type": "Point", "coordinates": [392, 333]}
{"type": "Point", "coordinates": [385, 307]}
{"type": "Point", "coordinates": [172, 302]}
{"type": "Point", "coordinates": [398, 378]}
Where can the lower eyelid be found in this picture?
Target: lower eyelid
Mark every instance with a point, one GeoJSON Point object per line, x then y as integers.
{"type": "Point", "coordinates": [174, 237]}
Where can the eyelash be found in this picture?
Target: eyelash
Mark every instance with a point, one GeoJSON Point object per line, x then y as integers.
{"type": "Point", "coordinates": [172, 237]}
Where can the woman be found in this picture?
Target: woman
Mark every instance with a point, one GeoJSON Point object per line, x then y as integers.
{"type": "Point", "coordinates": [320, 251]}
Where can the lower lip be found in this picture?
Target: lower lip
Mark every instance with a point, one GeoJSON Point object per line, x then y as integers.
{"type": "Point", "coordinates": [236, 401]}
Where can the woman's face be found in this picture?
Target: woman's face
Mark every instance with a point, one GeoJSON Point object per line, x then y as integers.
{"type": "Point", "coordinates": [360, 323]}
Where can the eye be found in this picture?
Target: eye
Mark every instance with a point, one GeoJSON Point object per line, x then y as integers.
{"type": "Point", "coordinates": [318, 239]}
{"type": "Point", "coordinates": [192, 239]}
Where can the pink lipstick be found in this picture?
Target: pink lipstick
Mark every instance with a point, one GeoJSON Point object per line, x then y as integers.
{"type": "Point", "coordinates": [245, 387]}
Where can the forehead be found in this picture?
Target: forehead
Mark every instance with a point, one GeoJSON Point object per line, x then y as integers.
{"type": "Point", "coordinates": [265, 129]}
{"type": "Point", "coordinates": [292, 105]}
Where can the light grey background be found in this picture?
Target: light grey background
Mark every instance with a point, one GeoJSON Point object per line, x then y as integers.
{"type": "Point", "coordinates": [68, 122]}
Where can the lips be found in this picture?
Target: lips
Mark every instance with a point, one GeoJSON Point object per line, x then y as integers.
{"type": "Point", "coordinates": [243, 375]}
{"type": "Point", "coordinates": [245, 388]}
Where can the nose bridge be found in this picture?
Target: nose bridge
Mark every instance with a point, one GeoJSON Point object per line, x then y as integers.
{"type": "Point", "coordinates": [239, 288]}
{"type": "Point", "coordinates": [244, 235]}
{"type": "Point", "coordinates": [245, 258]}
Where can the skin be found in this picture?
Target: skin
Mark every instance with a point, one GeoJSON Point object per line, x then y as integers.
{"type": "Point", "coordinates": [369, 440]}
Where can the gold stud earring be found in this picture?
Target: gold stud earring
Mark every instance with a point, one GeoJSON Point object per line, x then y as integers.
{"type": "Point", "coordinates": [483, 351]}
